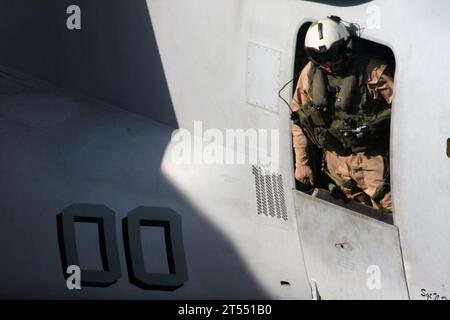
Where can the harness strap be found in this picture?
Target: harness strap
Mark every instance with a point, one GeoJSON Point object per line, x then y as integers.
{"type": "Point", "coordinates": [386, 187]}
{"type": "Point", "coordinates": [381, 192]}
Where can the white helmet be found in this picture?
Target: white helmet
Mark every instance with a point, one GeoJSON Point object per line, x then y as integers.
{"type": "Point", "coordinates": [328, 40]}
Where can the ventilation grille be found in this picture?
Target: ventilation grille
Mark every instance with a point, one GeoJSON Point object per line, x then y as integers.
{"type": "Point", "coordinates": [270, 197]}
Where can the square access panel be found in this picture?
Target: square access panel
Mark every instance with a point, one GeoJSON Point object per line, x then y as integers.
{"type": "Point", "coordinates": [263, 76]}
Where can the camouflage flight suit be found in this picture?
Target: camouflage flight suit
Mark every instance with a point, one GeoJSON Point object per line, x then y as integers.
{"type": "Point", "coordinates": [367, 171]}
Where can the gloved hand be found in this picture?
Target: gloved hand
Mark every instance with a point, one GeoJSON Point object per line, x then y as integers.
{"type": "Point", "coordinates": [304, 175]}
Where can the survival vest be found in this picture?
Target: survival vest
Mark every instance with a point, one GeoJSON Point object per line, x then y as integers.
{"type": "Point", "coordinates": [340, 116]}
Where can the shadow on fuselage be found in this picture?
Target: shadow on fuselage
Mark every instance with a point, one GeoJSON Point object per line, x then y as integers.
{"type": "Point", "coordinates": [60, 147]}
{"type": "Point", "coordinates": [113, 57]}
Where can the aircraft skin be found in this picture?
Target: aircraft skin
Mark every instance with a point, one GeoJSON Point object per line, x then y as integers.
{"type": "Point", "coordinates": [88, 120]}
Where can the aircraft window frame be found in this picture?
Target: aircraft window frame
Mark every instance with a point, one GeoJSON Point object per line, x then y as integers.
{"type": "Point", "coordinates": [448, 147]}
{"type": "Point", "coordinates": [379, 50]}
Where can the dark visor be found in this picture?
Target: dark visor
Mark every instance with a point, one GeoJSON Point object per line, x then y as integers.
{"type": "Point", "coordinates": [333, 55]}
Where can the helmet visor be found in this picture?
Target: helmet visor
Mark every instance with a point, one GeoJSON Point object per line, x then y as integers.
{"type": "Point", "coordinates": [331, 56]}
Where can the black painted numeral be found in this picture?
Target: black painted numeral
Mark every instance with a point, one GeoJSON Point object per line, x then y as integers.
{"type": "Point", "coordinates": [105, 219]}
{"type": "Point", "coordinates": [170, 221]}
{"type": "Point", "coordinates": [165, 218]}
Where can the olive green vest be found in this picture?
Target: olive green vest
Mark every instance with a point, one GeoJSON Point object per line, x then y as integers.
{"type": "Point", "coordinates": [341, 116]}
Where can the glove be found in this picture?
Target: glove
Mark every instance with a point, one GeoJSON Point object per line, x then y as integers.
{"type": "Point", "coordinates": [304, 175]}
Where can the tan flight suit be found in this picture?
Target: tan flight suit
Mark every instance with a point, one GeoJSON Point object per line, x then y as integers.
{"type": "Point", "coordinates": [367, 172]}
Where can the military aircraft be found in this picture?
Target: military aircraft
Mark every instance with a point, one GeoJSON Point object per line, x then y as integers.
{"type": "Point", "coordinates": [95, 97]}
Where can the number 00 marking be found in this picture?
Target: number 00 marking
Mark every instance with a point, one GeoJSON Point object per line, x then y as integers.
{"type": "Point", "coordinates": [166, 218]}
